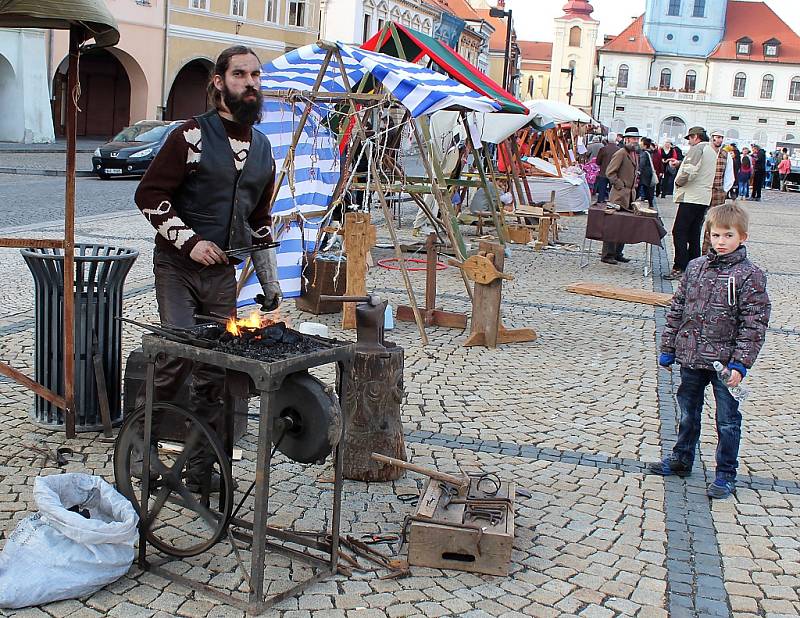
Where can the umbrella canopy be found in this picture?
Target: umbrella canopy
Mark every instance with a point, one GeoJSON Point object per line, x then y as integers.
{"type": "Point", "coordinates": [418, 89]}
{"type": "Point", "coordinates": [415, 45]}
{"type": "Point", "coordinates": [92, 16]}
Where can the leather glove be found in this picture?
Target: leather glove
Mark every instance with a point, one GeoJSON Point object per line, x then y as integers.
{"type": "Point", "coordinates": [265, 264]}
{"type": "Point", "coordinates": [271, 299]}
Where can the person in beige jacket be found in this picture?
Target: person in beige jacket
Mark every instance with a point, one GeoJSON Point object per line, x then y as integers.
{"type": "Point", "coordinates": [693, 190]}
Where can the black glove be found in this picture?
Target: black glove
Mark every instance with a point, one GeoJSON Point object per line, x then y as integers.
{"type": "Point", "coordinates": [269, 304]}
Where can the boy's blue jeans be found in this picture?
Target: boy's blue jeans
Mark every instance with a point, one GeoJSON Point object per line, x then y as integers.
{"type": "Point", "coordinates": [729, 420]}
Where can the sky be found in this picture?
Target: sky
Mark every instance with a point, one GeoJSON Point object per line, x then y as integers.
{"type": "Point", "coordinates": [533, 19]}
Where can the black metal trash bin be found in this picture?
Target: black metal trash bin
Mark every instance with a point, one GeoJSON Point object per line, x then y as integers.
{"type": "Point", "coordinates": [100, 272]}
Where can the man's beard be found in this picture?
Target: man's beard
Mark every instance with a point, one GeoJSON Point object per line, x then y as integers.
{"type": "Point", "coordinates": [246, 113]}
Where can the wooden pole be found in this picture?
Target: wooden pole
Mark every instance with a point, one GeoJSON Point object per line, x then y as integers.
{"type": "Point", "coordinates": [387, 214]}
{"type": "Point", "coordinates": [300, 126]}
{"type": "Point", "coordinates": [451, 226]}
{"type": "Point", "coordinates": [480, 153]}
{"type": "Point", "coordinates": [69, 235]}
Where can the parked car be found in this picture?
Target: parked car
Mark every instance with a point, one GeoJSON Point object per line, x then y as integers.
{"type": "Point", "coordinates": [132, 149]}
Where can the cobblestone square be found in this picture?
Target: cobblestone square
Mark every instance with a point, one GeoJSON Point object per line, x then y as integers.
{"type": "Point", "coordinates": [573, 418]}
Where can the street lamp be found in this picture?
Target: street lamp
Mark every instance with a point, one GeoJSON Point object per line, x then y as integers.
{"type": "Point", "coordinates": [617, 93]}
{"type": "Point", "coordinates": [571, 72]}
{"type": "Point", "coordinates": [600, 81]}
{"type": "Point", "coordinates": [500, 13]}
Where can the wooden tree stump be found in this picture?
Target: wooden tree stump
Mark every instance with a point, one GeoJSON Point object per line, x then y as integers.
{"type": "Point", "coordinates": [373, 416]}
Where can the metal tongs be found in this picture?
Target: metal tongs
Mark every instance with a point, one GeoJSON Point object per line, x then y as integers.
{"type": "Point", "coordinates": [179, 335]}
{"type": "Point", "coordinates": [245, 251]}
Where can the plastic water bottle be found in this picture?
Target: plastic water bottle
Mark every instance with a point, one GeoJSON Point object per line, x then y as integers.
{"type": "Point", "coordinates": [739, 393]}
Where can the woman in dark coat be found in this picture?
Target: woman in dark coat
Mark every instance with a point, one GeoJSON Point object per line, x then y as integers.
{"type": "Point", "coordinates": [670, 157]}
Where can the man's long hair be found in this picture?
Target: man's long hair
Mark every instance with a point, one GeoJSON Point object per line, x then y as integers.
{"type": "Point", "coordinates": [221, 67]}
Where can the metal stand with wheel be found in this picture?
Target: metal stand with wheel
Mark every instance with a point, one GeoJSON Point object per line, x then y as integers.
{"type": "Point", "coordinates": [180, 520]}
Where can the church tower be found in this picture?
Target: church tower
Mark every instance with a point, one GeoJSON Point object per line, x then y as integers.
{"type": "Point", "coordinates": [685, 27]}
{"type": "Point", "coordinates": [574, 49]}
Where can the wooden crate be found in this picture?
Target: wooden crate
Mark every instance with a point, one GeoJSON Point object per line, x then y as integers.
{"type": "Point", "coordinates": [438, 539]}
{"type": "Point", "coordinates": [519, 234]}
{"type": "Point", "coordinates": [317, 281]}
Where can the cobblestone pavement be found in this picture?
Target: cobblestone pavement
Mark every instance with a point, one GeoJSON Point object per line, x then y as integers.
{"type": "Point", "coordinates": [573, 418]}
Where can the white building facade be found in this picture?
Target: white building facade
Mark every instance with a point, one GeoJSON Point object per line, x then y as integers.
{"type": "Point", "coordinates": [25, 115]}
{"type": "Point", "coordinates": [572, 69]}
{"type": "Point", "coordinates": [748, 86]}
{"type": "Point", "coordinates": [356, 21]}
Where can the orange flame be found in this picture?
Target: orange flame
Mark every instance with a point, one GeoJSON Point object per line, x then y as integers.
{"type": "Point", "coordinates": [254, 320]}
{"type": "Point", "coordinates": [235, 325]}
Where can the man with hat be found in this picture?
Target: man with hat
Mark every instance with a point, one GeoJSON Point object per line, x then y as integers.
{"type": "Point", "coordinates": [693, 191]}
{"type": "Point", "coordinates": [724, 179]}
{"type": "Point", "coordinates": [622, 173]}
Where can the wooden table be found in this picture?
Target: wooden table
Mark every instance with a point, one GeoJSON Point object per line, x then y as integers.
{"type": "Point", "coordinates": [620, 226]}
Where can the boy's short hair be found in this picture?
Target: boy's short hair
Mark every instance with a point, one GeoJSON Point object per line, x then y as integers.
{"type": "Point", "coordinates": [729, 215]}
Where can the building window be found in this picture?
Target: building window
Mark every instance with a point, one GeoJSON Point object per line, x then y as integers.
{"type": "Point", "coordinates": [670, 37]}
{"type": "Point", "coordinates": [695, 39]}
{"type": "Point", "coordinates": [575, 36]}
{"type": "Point", "coordinates": [297, 13]}
{"type": "Point", "coordinates": [771, 48]}
{"type": "Point", "coordinates": [530, 85]}
{"type": "Point", "coordinates": [672, 128]}
{"type": "Point", "coordinates": [367, 27]}
{"type": "Point", "coordinates": [699, 8]}
{"type": "Point", "coordinates": [739, 84]}
{"type": "Point", "coordinates": [690, 84]}
{"type": "Point", "coordinates": [200, 5]}
{"type": "Point", "coordinates": [789, 137]}
{"type": "Point", "coordinates": [271, 11]}
{"type": "Point", "coordinates": [674, 8]}
{"type": "Point", "coordinates": [239, 8]}
{"type": "Point", "coordinates": [622, 76]}
{"type": "Point", "coordinates": [666, 79]}
{"type": "Point", "coordinates": [732, 134]}
{"type": "Point", "coordinates": [767, 86]}
{"type": "Point", "coordinates": [794, 89]}
{"type": "Point", "coordinates": [743, 46]}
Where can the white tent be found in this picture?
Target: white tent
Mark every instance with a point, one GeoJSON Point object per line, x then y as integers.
{"type": "Point", "coordinates": [559, 112]}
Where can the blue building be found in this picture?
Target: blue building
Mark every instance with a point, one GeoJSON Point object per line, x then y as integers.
{"type": "Point", "coordinates": [689, 28]}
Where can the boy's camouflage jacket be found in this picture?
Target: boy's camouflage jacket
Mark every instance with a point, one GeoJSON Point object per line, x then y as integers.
{"type": "Point", "coordinates": [719, 313]}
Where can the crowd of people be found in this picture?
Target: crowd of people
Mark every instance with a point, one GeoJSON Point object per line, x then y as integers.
{"type": "Point", "coordinates": [634, 167]}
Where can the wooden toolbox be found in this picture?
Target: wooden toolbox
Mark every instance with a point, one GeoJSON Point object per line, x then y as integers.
{"type": "Point", "coordinates": [460, 531]}
{"type": "Point", "coordinates": [318, 280]}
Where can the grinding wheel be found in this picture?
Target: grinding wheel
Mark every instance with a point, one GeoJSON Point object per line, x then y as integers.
{"type": "Point", "coordinates": [315, 414]}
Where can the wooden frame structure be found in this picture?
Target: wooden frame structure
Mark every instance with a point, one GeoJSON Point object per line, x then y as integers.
{"type": "Point", "coordinates": [85, 19]}
{"type": "Point", "coordinates": [436, 182]}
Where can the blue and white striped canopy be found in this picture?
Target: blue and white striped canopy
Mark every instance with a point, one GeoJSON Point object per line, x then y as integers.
{"type": "Point", "coordinates": [316, 172]}
{"type": "Point", "coordinates": [316, 162]}
{"type": "Point", "coordinates": [418, 89]}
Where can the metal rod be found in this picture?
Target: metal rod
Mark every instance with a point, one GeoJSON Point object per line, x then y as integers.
{"type": "Point", "coordinates": [144, 521]}
{"type": "Point", "coordinates": [261, 506]}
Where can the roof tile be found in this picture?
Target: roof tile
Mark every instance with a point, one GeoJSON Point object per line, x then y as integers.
{"type": "Point", "coordinates": [631, 40]}
{"type": "Point", "coordinates": [760, 23]}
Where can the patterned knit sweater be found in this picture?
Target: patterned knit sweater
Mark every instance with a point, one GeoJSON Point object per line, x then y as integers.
{"type": "Point", "coordinates": [179, 158]}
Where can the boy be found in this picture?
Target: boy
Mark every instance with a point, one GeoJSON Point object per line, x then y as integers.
{"type": "Point", "coordinates": [719, 313]}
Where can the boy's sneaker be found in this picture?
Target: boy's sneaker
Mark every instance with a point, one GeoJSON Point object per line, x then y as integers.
{"type": "Point", "coordinates": [670, 466]}
{"type": "Point", "coordinates": [721, 489]}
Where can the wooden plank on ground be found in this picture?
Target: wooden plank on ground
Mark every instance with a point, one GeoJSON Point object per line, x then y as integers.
{"type": "Point", "coordinates": [616, 292]}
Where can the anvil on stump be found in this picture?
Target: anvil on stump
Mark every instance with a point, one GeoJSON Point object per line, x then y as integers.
{"type": "Point", "coordinates": [372, 407]}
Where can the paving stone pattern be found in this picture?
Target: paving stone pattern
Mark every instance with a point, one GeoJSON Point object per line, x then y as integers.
{"type": "Point", "coordinates": [573, 418]}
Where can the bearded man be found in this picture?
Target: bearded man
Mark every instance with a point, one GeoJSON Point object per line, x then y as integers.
{"type": "Point", "coordinates": [209, 190]}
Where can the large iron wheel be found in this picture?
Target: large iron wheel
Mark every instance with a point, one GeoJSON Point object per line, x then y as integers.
{"type": "Point", "coordinates": [184, 519]}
